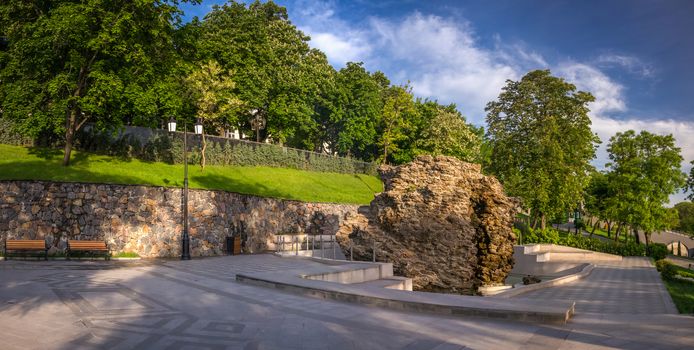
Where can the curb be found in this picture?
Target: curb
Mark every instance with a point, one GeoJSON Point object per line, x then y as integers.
{"type": "Point", "coordinates": [546, 284]}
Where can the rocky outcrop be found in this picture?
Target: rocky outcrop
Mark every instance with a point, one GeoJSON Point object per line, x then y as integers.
{"type": "Point", "coordinates": [441, 222]}
{"type": "Point", "coordinates": [147, 220]}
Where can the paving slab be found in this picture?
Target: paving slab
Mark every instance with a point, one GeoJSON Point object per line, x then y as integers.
{"type": "Point", "coordinates": [198, 304]}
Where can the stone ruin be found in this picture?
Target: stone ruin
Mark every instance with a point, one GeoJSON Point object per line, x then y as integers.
{"type": "Point", "coordinates": [441, 222]}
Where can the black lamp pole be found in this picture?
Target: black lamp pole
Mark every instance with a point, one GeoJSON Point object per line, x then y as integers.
{"type": "Point", "coordinates": [185, 240]}
{"type": "Point", "coordinates": [185, 249]}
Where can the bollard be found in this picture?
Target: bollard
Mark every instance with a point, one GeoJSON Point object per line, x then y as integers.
{"type": "Point", "coordinates": [296, 246]}
{"type": "Point", "coordinates": [351, 255]}
{"type": "Point", "coordinates": [332, 243]}
{"type": "Point", "coordinates": [321, 246]}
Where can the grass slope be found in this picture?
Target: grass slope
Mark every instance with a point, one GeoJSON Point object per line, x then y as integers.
{"type": "Point", "coordinates": [682, 292]}
{"type": "Point", "coordinates": [19, 163]}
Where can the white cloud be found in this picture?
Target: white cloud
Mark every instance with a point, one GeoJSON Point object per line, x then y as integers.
{"type": "Point", "coordinates": [444, 59]}
{"type": "Point", "coordinates": [630, 63]}
{"type": "Point", "coordinates": [608, 94]}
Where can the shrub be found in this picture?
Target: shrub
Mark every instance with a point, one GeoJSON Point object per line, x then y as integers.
{"type": "Point", "coordinates": [11, 136]}
{"type": "Point", "coordinates": [162, 147]}
{"type": "Point", "coordinates": [657, 251]}
{"type": "Point", "coordinates": [667, 269]}
{"type": "Point", "coordinates": [552, 236]}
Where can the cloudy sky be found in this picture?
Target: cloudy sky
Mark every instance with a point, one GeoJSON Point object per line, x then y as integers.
{"type": "Point", "coordinates": [634, 56]}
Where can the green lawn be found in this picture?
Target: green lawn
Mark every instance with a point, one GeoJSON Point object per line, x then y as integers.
{"type": "Point", "coordinates": [599, 232]}
{"type": "Point", "coordinates": [682, 293]}
{"type": "Point", "coordinates": [20, 163]}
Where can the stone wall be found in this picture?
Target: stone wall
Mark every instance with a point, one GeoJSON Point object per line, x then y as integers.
{"type": "Point", "coordinates": [147, 220]}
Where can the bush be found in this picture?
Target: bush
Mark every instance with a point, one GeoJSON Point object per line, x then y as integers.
{"type": "Point", "coordinates": [551, 236]}
{"type": "Point", "coordinates": [11, 136]}
{"type": "Point", "coordinates": [667, 269]}
{"type": "Point", "coordinates": [162, 147]}
{"type": "Point", "coordinates": [657, 251]}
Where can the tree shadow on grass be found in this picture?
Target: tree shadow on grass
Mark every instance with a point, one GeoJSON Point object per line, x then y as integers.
{"type": "Point", "coordinates": [45, 153]}
{"type": "Point", "coordinates": [245, 186]}
{"type": "Point", "coordinates": [38, 170]}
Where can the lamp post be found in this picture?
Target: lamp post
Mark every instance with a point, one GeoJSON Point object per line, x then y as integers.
{"type": "Point", "coordinates": [185, 241]}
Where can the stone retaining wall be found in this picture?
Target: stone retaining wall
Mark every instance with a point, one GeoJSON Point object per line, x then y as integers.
{"type": "Point", "coordinates": [147, 220]}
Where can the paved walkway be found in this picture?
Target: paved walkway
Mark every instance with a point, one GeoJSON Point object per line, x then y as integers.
{"type": "Point", "coordinates": [197, 305]}
{"type": "Point", "coordinates": [632, 286]}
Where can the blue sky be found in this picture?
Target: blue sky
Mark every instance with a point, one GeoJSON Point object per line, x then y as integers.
{"type": "Point", "coordinates": [635, 56]}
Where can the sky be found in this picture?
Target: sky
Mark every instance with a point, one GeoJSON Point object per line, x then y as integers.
{"type": "Point", "coordinates": [634, 56]}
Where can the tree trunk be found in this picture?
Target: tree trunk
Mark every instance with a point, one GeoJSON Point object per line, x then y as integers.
{"type": "Point", "coordinates": [593, 230]}
{"type": "Point", "coordinates": [647, 236]}
{"type": "Point", "coordinates": [202, 153]}
{"type": "Point", "coordinates": [543, 221]}
{"type": "Point", "coordinates": [619, 229]}
{"type": "Point", "coordinates": [637, 239]}
{"type": "Point", "coordinates": [69, 136]}
{"type": "Point", "coordinates": [535, 222]}
{"type": "Point", "coordinates": [609, 228]}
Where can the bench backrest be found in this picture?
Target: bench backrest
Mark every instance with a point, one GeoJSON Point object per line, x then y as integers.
{"type": "Point", "coordinates": [87, 245]}
{"type": "Point", "coordinates": [25, 244]}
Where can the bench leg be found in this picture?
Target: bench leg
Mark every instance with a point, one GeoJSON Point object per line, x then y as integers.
{"type": "Point", "coordinates": [45, 257]}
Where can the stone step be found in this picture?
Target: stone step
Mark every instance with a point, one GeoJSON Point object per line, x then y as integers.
{"type": "Point", "coordinates": [394, 282]}
{"type": "Point", "coordinates": [446, 304]}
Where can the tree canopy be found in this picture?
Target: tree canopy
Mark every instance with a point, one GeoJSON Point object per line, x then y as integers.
{"type": "Point", "coordinates": [541, 142]}
{"type": "Point", "coordinates": [645, 171]}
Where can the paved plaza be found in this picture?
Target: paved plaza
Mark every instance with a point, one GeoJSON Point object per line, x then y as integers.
{"type": "Point", "coordinates": [198, 305]}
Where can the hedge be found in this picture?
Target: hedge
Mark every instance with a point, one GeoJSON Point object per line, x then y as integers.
{"type": "Point", "coordinates": [165, 148]}
{"type": "Point", "coordinates": [552, 236]}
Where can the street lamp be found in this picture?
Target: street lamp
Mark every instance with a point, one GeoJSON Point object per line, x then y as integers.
{"type": "Point", "coordinates": [185, 249]}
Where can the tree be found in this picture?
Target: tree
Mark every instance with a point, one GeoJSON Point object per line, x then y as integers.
{"type": "Point", "coordinates": [689, 186]}
{"type": "Point", "coordinates": [69, 62]}
{"type": "Point", "coordinates": [599, 200]}
{"type": "Point", "coordinates": [645, 171]}
{"type": "Point", "coordinates": [685, 211]}
{"type": "Point", "coordinates": [447, 133]}
{"type": "Point", "coordinates": [212, 90]}
{"type": "Point", "coordinates": [541, 142]}
{"type": "Point", "coordinates": [398, 105]}
{"type": "Point", "coordinates": [360, 97]}
{"type": "Point", "coordinates": [266, 52]}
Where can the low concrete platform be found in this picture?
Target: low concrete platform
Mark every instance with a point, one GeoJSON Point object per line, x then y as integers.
{"type": "Point", "coordinates": [349, 283]}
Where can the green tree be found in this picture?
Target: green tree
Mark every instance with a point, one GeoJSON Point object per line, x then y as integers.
{"type": "Point", "coordinates": [359, 95]}
{"type": "Point", "coordinates": [398, 106]}
{"type": "Point", "coordinates": [448, 134]}
{"type": "Point", "coordinates": [645, 171]}
{"type": "Point", "coordinates": [266, 52]}
{"type": "Point", "coordinates": [211, 88]}
{"type": "Point", "coordinates": [689, 186]}
{"type": "Point", "coordinates": [541, 142]}
{"type": "Point", "coordinates": [70, 62]}
{"type": "Point", "coordinates": [685, 211]}
{"type": "Point", "coordinates": [599, 200]}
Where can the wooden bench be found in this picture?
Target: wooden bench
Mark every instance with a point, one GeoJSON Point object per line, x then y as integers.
{"type": "Point", "coordinates": [26, 245]}
{"type": "Point", "coordinates": [87, 246]}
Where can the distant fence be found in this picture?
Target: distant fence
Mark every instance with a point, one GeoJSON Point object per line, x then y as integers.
{"type": "Point", "coordinates": [160, 145]}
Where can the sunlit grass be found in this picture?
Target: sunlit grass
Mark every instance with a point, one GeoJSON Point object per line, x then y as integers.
{"type": "Point", "coordinates": [20, 163]}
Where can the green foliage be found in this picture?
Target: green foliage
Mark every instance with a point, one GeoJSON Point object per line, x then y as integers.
{"type": "Point", "coordinates": [682, 293]}
{"type": "Point", "coordinates": [73, 61]}
{"type": "Point", "coordinates": [541, 141]}
{"type": "Point", "coordinates": [447, 133]}
{"type": "Point", "coordinates": [9, 134]}
{"type": "Point", "coordinates": [126, 255]}
{"type": "Point", "coordinates": [18, 163]}
{"type": "Point", "coordinates": [222, 152]}
{"type": "Point", "coordinates": [657, 251]}
{"type": "Point", "coordinates": [685, 211]}
{"type": "Point", "coordinates": [645, 171]}
{"type": "Point", "coordinates": [667, 269]}
{"type": "Point", "coordinates": [552, 236]}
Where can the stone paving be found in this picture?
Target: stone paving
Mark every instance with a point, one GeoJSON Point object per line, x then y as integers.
{"type": "Point", "coordinates": [197, 305]}
{"type": "Point", "coordinates": [631, 286]}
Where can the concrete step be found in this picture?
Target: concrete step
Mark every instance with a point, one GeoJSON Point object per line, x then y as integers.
{"type": "Point", "coordinates": [394, 282]}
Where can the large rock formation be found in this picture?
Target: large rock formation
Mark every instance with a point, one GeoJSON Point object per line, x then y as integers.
{"type": "Point", "coordinates": [439, 221]}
